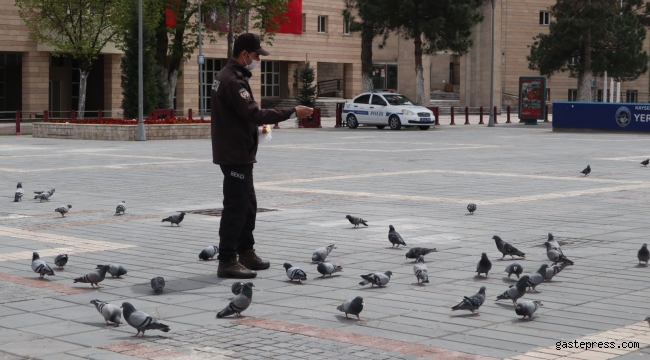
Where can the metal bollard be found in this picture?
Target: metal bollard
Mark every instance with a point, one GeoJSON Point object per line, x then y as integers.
{"type": "Point", "coordinates": [18, 122]}
{"type": "Point", "coordinates": [546, 114]}
{"type": "Point", "coordinates": [339, 114]}
{"type": "Point", "coordinates": [495, 115]}
{"type": "Point", "coordinates": [73, 115]}
{"type": "Point", "coordinates": [481, 116]}
{"type": "Point", "coordinates": [452, 117]}
{"type": "Point", "coordinates": [189, 114]}
{"type": "Point", "coordinates": [467, 115]}
{"type": "Point", "coordinates": [436, 112]}
{"type": "Point", "coordinates": [508, 115]}
{"type": "Point", "coordinates": [46, 116]}
{"type": "Point", "coordinates": [99, 114]}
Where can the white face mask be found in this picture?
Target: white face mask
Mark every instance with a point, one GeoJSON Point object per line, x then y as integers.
{"type": "Point", "coordinates": [253, 65]}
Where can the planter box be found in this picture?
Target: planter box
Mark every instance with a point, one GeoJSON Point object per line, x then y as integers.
{"type": "Point", "coordinates": [120, 132]}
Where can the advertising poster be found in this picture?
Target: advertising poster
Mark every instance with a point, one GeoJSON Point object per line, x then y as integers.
{"type": "Point", "coordinates": [532, 97]}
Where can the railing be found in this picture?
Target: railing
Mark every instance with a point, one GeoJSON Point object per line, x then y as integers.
{"type": "Point", "coordinates": [329, 88]}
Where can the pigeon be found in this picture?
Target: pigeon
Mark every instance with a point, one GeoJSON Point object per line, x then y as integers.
{"type": "Point", "coordinates": [356, 220]}
{"type": "Point", "coordinates": [484, 265]}
{"type": "Point", "coordinates": [537, 277]}
{"type": "Point", "coordinates": [527, 308]}
{"type": "Point", "coordinates": [647, 319]}
{"type": "Point", "coordinates": [515, 291]}
{"type": "Point", "coordinates": [121, 208]}
{"type": "Point", "coordinates": [110, 312]}
{"type": "Point", "coordinates": [514, 268]}
{"type": "Point", "coordinates": [209, 253]}
{"type": "Point", "coordinates": [643, 254]}
{"type": "Point", "coordinates": [157, 284]}
{"type": "Point", "coordinates": [39, 266]}
{"type": "Point", "coordinates": [471, 208]}
{"type": "Point", "coordinates": [394, 237]}
{"type": "Point", "coordinates": [507, 249]}
{"type": "Point", "coordinates": [60, 260]}
{"type": "Point", "coordinates": [321, 253]}
{"type": "Point", "coordinates": [175, 219]}
{"type": "Point", "coordinates": [51, 191]}
{"type": "Point", "coordinates": [556, 256]}
{"type": "Point", "coordinates": [554, 244]}
{"type": "Point", "coordinates": [472, 303]}
{"type": "Point", "coordinates": [645, 162]}
{"type": "Point", "coordinates": [94, 277]}
{"type": "Point", "coordinates": [551, 271]}
{"type": "Point", "coordinates": [43, 195]}
{"type": "Point", "coordinates": [586, 171]}
{"type": "Point", "coordinates": [328, 269]}
{"type": "Point", "coordinates": [240, 302]}
{"type": "Point", "coordinates": [379, 279]}
{"type": "Point", "coordinates": [141, 321]}
{"type": "Point", "coordinates": [416, 252]}
{"type": "Point", "coordinates": [352, 306]}
{"type": "Point", "coordinates": [63, 209]}
{"type": "Point", "coordinates": [294, 273]}
{"type": "Point", "coordinates": [116, 270]}
{"type": "Point", "coordinates": [420, 270]}
{"type": "Point", "coordinates": [236, 287]}
{"type": "Point", "coordinates": [18, 196]}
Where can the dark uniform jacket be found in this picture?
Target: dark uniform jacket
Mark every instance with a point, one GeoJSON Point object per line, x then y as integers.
{"type": "Point", "coordinates": [236, 117]}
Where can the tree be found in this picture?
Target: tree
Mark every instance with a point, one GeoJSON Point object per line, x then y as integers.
{"type": "Point", "coordinates": [370, 21]}
{"type": "Point", "coordinates": [79, 28]}
{"type": "Point", "coordinates": [307, 93]}
{"type": "Point", "coordinates": [434, 25]}
{"type": "Point", "coordinates": [589, 37]}
{"type": "Point", "coordinates": [129, 66]}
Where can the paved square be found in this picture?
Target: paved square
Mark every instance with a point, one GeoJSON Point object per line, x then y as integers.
{"type": "Point", "coordinates": [526, 182]}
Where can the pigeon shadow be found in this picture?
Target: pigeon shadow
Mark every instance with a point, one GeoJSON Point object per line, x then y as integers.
{"type": "Point", "coordinates": [533, 292]}
{"type": "Point", "coordinates": [179, 285]}
{"type": "Point", "coordinates": [395, 248]}
{"type": "Point", "coordinates": [505, 305]}
{"type": "Point", "coordinates": [470, 315]}
{"type": "Point", "coordinates": [641, 266]}
{"type": "Point", "coordinates": [326, 277]}
{"type": "Point", "coordinates": [343, 319]}
{"type": "Point", "coordinates": [479, 278]}
{"type": "Point", "coordinates": [508, 280]}
{"type": "Point", "coordinates": [370, 288]}
{"type": "Point", "coordinates": [418, 284]}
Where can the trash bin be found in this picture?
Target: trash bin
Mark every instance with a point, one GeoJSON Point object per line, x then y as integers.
{"type": "Point", "coordinates": [312, 121]}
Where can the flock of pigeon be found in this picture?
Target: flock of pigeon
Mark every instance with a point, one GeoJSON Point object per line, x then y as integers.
{"type": "Point", "coordinates": [243, 291]}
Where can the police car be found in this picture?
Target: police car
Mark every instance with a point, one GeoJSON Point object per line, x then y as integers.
{"type": "Point", "coordinates": [386, 108]}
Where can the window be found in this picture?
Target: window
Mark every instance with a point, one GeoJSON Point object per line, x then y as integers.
{"type": "Point", "coordinates": [548, 94]}
{"type": "Point", "coordinates": [377, 100]}
{"type": "Point", "coordinates": [397, 100]}
{"type": "Point", "coordinates": [544, 18]}
{"type": "Point", "coordinates": [74, 85]}
{"type": "Point", "coordinates": [304, 23]}
{"type": "Point", "coordinates": [210, 70]}
{"type": "Point", "coordinates": [270, 78]}
{"type": "Point", "coordinates": [346, 26]}
{"type": "Point", "coordinates": [322, 24]}
{"type": "Point", "coordinates": [363, 99]}
{"type": "Point", "coordinates": [632, 96]}
{"type": "Point", "coordinates": [573, 95]}
{"type": "Point", "coordinates": [575, 60]}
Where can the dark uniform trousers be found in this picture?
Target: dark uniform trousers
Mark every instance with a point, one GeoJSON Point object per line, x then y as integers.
{"type": "Point", "coordinates": [239, 211]}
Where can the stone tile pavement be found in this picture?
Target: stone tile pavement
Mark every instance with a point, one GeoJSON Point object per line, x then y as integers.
{"type": "Point", "coordinates": [525, 181]}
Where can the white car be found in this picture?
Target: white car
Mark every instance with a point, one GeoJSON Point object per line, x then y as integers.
{"type": "Point", "coordinates": [386, 108]}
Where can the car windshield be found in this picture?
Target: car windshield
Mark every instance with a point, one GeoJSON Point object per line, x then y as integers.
{"type": "Point", "coordinates": [396, 99]}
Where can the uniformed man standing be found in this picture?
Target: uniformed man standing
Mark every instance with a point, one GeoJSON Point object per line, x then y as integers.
{"type": "Point", "coordinates": [235, 120]}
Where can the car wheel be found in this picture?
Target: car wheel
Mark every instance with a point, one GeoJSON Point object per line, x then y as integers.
{"type": "Point", "coordinates": [424, 127]}
{"type": "Point", "coordinates": [381, 126]}
{"type": "Point", "coordinates": [352, 121]}
{"type": "Point", "coordinates": [394, 122]}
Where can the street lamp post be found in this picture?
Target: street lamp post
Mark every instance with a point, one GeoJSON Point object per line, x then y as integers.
{"type": "Point", "coordinates": [201, 61]}
{"type": "Point", "coordinates": [140, 135]}
{"type": "Point", "coordinates": [491, 121]}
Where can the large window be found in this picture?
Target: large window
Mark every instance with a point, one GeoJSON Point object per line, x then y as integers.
{"type": "Point", "coordinates": [632, 96]}
{"type": "Point", "coordinates": [270, 78]}
{"type": "Point", "coordinates": [322, 24]}
{"type": "Point", "coordinates": [304, 23]}
{"type": "Point", "coordinates": [210, 71]}
{"type": "Point", "coordinates": [384, 76]}
{"type": "Point", "coordinates": [573, 95]}
{"type": "Point", "coordinates": [10, 84]}
{"type": "Point", "coordinates": [74, 85]}
{"type": "Point", "coordinates": [346, 26]}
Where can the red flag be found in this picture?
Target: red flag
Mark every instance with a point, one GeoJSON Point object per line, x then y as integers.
{"type": "Point", "coordinates": [171, 12]}
{"type": "Point", "coordinates": [293, 25]}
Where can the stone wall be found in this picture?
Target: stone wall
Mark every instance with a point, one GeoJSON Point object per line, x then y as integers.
{"type": "Point", "coordinates": [120, 132]}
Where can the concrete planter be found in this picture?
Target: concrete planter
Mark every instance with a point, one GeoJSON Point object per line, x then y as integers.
{"type": "Point", "coordinates": [120, 132]}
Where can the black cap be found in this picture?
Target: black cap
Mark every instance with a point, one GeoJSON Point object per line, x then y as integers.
{"type": "Point", "coordinates": [249, 42]}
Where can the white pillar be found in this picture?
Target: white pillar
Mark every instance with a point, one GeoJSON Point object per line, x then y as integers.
{"type": "Point", "coordinates": [611, 92]}
{"type": "Point", "coordinates": [618, 91]}
{"type": "Point", "coordinates": [605, 88]}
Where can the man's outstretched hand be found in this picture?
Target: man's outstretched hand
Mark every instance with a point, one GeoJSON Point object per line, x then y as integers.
{"type": "Point", "coordinates": [303, 111]}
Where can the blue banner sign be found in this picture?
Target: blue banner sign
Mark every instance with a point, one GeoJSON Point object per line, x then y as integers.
{"type": "Point", "coordinates": [601, 116]}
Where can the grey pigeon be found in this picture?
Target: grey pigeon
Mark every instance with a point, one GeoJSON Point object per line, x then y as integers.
{"type": "Point", "coordinates": [158, 284]}
{"type": "Point", "coordinates": [527, 308]}
{"type": "Point", "coordinates": [209, 253]}
{"type": "Point", "coordinates": [514, 268]}
{"type": "Point", "coordinates": [643, 254]}
{"type": "Point", "coordinates": [94, 277]}
{"type": "Point", "coordinates": [472, 303]}
{"type": "Point", "coordinates": [236, 287]}
{"type": "Point", "coordinates": [141, 321]}
{"type": "Point", "coordinates": [537, 277]}
{"type": "Point", "coordinates": [51, 191]}
{"type": "Point", "coordinates": [647, 318]}
{"type": "Point", "coordinates": [328, 269]}
{"type": "Point", "coordinates": [39, 266]}
{"type": "Point", "coordinates": [484, 265]}
{"type": "Point", "coordinates": [175, 219]}
{"type": "Point", "coordinates": [556, 256]}
{"type": "Point", "coordinates": [394, 237]}
{"type": "Point", "coordinates": [239, 303]}
{"type": "Point", "coordinates": [507, 249]}
{"type": "Point", "coordinates": [420, 270]}
{"type": "Point", "coordinates": [554, 244]}
{"type": "Point", "coordinates": [294, 273]}
{"type": "Point", "coordinates": [60, 260]}
{"type": "Point", "coordinates": [515, 291]}
{"type": "Point", "coordinates": [471, 208]}
{"type": "Point", "coordinates": [356, 220]}
{"type": "Point", "coordinates": [416, 252]}
{"type": "Point", "coordinates": [645, 162]}
{"type": "Point", "coordinates": [379, 279]}
{"type": "Point", "coordinates": [110, 312]}
{"type": "Point", "coordinates": [116, 270]}
{"type": "Point", "coordinates": [18, 196]}
{"type": "Point", "coordinates": [551, 271]}
{"type": "Point", "coordinates": [63, 209]}
{"type": "Point", "coordinates": [321, 253]}
{"type": "Point", "coordinates": [121, 208]}
{"type": "Point", "coordinates": [352, 306]}
{"type": "Point", "coordinates": [586, 171]}
{"type": "Point", "coordinates": [44, 195]}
